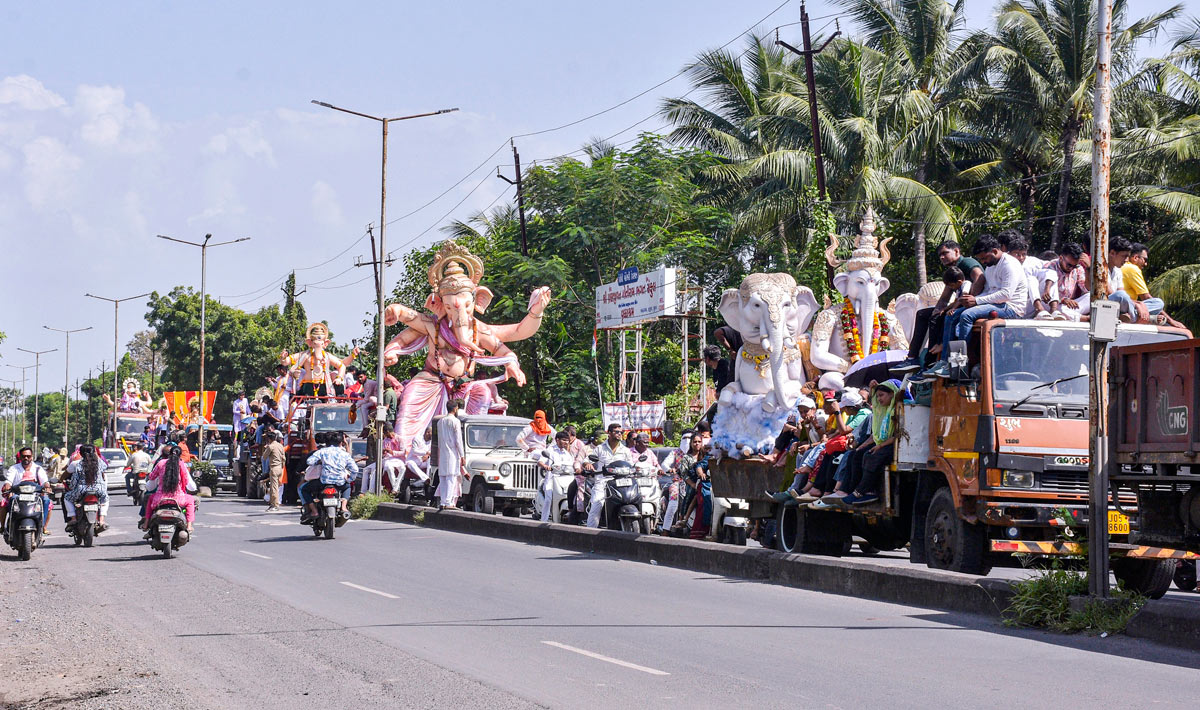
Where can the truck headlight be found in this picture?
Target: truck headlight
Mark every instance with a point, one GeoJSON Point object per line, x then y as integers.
{"type": "Point", "coordinates": [1017, 479]}
{"type": "Point", "coordinates": [505, 469]}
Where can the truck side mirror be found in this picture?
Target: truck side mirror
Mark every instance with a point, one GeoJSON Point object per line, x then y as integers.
{"type": "Point", "coordinates": [957, 359]}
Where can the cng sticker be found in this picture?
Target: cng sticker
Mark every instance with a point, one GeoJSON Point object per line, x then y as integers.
{"type": "Point", "coordinates": [1172, 421]}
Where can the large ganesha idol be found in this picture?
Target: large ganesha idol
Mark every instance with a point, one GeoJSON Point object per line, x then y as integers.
{"type": "Point", "coordinates": [133, 400]}
{"type": "Point", "coordinates": [770, 311]}
{"type": "Point", "coordinates": [456, 342]}
{"type": "Point", "coordinates": [857, 327]}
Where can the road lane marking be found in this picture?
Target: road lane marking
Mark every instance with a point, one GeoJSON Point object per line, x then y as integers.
{"type": "Point", "coordinates": [368, 589]}
{"type": "Point", "coordinates": [226, 515]}
{"type": "Point", "coordinates": [254, 554]}
{"type": "Point", "coordinates": [598, 657]}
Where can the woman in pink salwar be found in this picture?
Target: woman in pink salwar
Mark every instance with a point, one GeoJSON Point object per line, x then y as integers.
{"type": "Point", "coordinates": [171, 479]}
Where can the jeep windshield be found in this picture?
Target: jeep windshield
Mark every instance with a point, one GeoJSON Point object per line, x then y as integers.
{"type": "Point", "coordinates": [493, 436]}
{"type": "Point", "coordinates": [332, 417]}
{"type": "Point", "coordinates": [1046, 364]}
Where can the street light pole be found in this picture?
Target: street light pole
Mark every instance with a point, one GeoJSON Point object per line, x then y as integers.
{"type": "Point", "coordinates": [116, 317]}
{"type": "Point", "coordinates": [37, 375]}
{"type": "Point", "coordinates": [67, 380]}
{"type": "Point", "coordinates": [380, 266]}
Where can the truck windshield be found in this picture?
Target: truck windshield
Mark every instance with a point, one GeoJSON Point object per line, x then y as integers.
{"type": "Point", "coordinates": [332, 418]}
{"type": "Point", "coordinates": [1026, 358]}
{"type": "Point", "coordinates": [493, 436]}
{"type": "Point", "coordinates": [131, 426]}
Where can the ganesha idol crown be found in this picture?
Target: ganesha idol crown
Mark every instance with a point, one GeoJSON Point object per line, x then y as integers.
{"type": "Point", "coordinates": [866, 257]}
{"type": "Point", "coordinates": [455, 269]}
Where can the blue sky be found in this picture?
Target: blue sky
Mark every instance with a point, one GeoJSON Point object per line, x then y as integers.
{"type": "Point", "coordinates": [122, 120]}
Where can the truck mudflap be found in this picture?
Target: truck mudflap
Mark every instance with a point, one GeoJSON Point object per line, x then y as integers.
{"type": "Point", "coordinates": [1061, 548]}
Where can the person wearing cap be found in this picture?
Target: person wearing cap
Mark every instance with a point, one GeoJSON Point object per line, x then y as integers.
{"type": "Point", "coordinates": [849, 415]}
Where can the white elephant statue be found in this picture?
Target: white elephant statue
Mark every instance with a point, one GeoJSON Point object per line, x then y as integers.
{"type": "Point", "coordinates": [840, 337]}
{"type": "Point", "coordinates": [770, 312]}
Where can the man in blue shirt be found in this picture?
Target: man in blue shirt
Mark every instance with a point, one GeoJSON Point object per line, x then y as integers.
{"type": "Point", "coordinates": [336, 468]}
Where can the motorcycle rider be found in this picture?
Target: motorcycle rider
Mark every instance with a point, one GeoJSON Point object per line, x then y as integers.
{"type": "Point", "coordinates": [170, 479]}
{"type": "Point", "coordinates": [645, 462]}
{"type": "Point", "coordinates": [26, 470]}
{"type": "Point", "coordinates": [611, 450]}
{"type": "Point", "coordinates": [87, 476]}
{"type": "Point", "coordinates": [337, 469]}
{"type": "Point", "coordinates": [139, 461]}
{"type": "Point", "coordinates": [555, 458]}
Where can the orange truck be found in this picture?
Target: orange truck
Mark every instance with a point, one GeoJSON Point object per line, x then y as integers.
{"type": "Point", "coordinates": [989, 462]}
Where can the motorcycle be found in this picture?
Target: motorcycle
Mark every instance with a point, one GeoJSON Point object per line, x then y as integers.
{"type": "Point", "coordinates": [87, 520]}
{"type": "Point", "coordinates": [622, 498]}
{"type": "Point", "coordinates": [328, 516]}
{"type": "Point", "coordinates": [168, 527]}
{"type": "Point", "coordinates": [23, 530]}
{"type": "Point", "coordinates": [139, 486]}
{"type": "Point", "coordinates": [561, 480]}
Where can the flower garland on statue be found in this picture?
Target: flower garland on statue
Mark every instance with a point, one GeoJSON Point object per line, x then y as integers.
{"type": "Point", "coordinates": [853, 337]}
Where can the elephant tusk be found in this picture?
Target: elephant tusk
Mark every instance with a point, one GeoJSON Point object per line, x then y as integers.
{"type": "Point", "coordinates": [766, 344]}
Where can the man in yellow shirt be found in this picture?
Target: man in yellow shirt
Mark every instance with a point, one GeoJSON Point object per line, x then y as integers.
{"type": "Point", "coordinates": [1135, 282]}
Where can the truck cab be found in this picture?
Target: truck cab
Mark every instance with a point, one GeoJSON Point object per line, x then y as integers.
{"type": "Point", "coordinates": [309, 416]}
{"type": "Point", "coordinates": [502, 479]}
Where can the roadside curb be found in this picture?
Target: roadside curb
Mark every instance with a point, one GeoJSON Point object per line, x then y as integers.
{"type": "Point", "coordinates": [1171, 622]}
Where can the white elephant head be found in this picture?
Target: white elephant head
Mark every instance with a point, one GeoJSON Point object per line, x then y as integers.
{"type": "Point", "coordinates": [862, 283]}
{"type": "Point", "coordinates": [769, 311]}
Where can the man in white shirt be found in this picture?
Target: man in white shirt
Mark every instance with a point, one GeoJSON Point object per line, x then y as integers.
{"type": "Point", "coordinates": [452, 462]}
{"type": "Point", "coordinates": [611, 450]}
{"type": "Point", "coordinates": [26, 470]}
{"type": "Point", "coordinates": [1118, 253]}
{"type": "Point", "coordinates": [1005, 292]}
{"type": "Point", "coordinates": [241, 412]}
{"type": "Point", "coordinates": [555, 460]}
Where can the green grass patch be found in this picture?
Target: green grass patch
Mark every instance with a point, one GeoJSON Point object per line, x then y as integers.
{"type": "Point", "coordinates": [1043, 601]}
{"type": "Point", "coordinates": [363, 507]}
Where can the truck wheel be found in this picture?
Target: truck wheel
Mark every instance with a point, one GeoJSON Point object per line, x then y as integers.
{"type": "Point", "coordinates": [951, 543]}
{"type": "Point", "coordinates": [812, 532]}
{"type": "Point", "coordinates": [1150, 578]}
{"type": "Point", "coordinates": [481, 502]}
{"type": "Point", "coordinates": [1185, 575]}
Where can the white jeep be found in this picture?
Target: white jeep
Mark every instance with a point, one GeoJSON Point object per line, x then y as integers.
{"type": "Point", "coordinates": [502, 478]}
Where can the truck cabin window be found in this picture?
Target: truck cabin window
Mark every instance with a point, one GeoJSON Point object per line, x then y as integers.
{"type": "Point", "coordinates": [490, 436]}
{"type": "Point", "coordinates": [1043, 362]}
{"type": "Point", "coordinates": [335, 418]}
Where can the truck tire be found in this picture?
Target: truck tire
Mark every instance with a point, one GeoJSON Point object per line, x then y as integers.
{"type": "Point", "coordinates": [1185, 575]}
{"type": "Point", "coordinates": [951, 543]}
{"type": "Point", "coordinates": [812, 532]}
{"type": "Point", "coordinates": [481, 502]}
{"type": "Point", "coordinates": [1150, 578]}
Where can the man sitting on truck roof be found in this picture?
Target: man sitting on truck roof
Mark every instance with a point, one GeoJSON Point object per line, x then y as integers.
{"type": "Point", "coordinates": [932, 320]}
{"type": "Point", "coordinates": [1004, 293]}
{"type": "Point", "coordinates": [1135, 285]}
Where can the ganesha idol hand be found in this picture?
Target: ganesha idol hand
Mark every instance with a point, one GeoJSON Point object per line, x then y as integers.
{"type": "Point", "coordinates": [538, 300]}
{"type": "Point", "coordinates": [514, 373]}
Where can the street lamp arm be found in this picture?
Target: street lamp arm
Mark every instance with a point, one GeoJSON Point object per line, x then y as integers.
{"type": "Point", "coordinates": [181, 241]}
{"type": "Point", "coordinates": [346, 110]}
{"type": "Point", "coordinates": [231, 241]}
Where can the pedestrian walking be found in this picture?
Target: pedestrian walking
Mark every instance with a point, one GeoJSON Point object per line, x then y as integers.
{"type": "Point", "coordinates": [274, 457]}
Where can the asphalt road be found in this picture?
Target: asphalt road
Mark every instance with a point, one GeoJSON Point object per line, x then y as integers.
{"type": "Point", "coordinates": [256, 613]}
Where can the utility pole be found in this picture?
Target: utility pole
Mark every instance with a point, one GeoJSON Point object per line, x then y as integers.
{"type": "Point", "coordinates": [814, 122]}
{"type": "Point", "coordinates": [380, 414]}
{"type": "Point", "coordinates": [21, 435]}
{"type": "Point", "coordinates": [1098, 567]}
{"type": "Point", "coordinates": [37, 374]}
{"type": "Point", "coordinates": [67, 381]}
{"type": "Point", "coordinates": [520, 195]}
{"type": "Point", "coordinates": [116, 339]}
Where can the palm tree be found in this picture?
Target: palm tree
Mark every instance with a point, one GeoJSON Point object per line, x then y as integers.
{"type": "Point", "coordinates": [934, 71]}
{"type": "Point", "coordinates": [760, 179]}
{"type": "Point", "coordinates": [1045, 55]}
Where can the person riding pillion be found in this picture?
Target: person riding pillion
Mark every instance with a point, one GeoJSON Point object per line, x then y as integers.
{"type": "Point", "coordinates": [337, 469]}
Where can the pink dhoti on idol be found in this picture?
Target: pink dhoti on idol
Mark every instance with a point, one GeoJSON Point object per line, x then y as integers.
{"type": "Point", "coordinates": [426, 395]}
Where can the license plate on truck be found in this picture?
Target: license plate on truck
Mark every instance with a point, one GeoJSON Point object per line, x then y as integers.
{"type": "Point", "coordinates": [1118, 524]}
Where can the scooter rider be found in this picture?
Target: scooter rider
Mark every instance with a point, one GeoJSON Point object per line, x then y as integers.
{"type": "Point", "coordinates": [644, 460]}
{"type": "Point", "coordinates": [337, 469]}
{"type": "Point", "coordinates": [611, 450]}
{"type": "Point", "coordinates": [26, 470]}
{"type": "Point", "coordinates": [554, 459]}
{"type": "Point", "coordinates": [139, 461]}
{"type": "Point", "coordinates": [87, 476]}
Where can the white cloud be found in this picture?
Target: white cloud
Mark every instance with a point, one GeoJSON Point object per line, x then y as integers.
{"type": "Point", "coordinates": [247, 138]}
{"type": "Point", "coordinates": [325, 206]}
{"type": "Point", "coordinates": [109, 123]}
{"type": "Point", "coordinates": [50, 170]}
{"type": "Point", "coordinates": [28, 93]}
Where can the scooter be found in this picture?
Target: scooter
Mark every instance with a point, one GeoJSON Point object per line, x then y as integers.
{"type": "Point", "coordinates": [328, 516]}
{"type": "Point", "coordinates": [87, 520]}
{"type": "Point", "coordinates": [168, 527]}
{"type": "Point", "coordinates": [23, 529]}
{"type": "Point", "coordinates": [651, 504]}
{"type": "Point", "coordinates": [622, 498]}
{"type": "Point", "coordinates": [561, 480]}
{"type": "Point", "coordinates": [139, 486]}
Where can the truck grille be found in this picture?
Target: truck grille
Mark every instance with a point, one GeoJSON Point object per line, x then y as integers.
{"type": "Point", "coordinates": [1067, 481]}
{"type": "Point", "coordinates": [526, 476]}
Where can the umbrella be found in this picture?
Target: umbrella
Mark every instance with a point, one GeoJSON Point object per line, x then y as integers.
{"type": "Point", "coordinates": [873, 367]}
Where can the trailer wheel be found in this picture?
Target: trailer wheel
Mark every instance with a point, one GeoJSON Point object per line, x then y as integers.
{"type": "Point", "coordinates": [951, 543]}
{"type": "Point", "coordinates": [812, 532]}
{"type": "Point", "coordinates": [1150, 578]}
{"type": "Point", "coordinates": [1185, 575]}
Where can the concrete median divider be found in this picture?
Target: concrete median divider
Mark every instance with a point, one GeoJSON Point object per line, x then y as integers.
{"type": "Point", "coordinates": [1170, 622]}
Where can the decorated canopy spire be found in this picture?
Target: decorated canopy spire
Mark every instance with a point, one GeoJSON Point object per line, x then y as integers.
{"type": "Point", "coordinates": [869, 253]}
